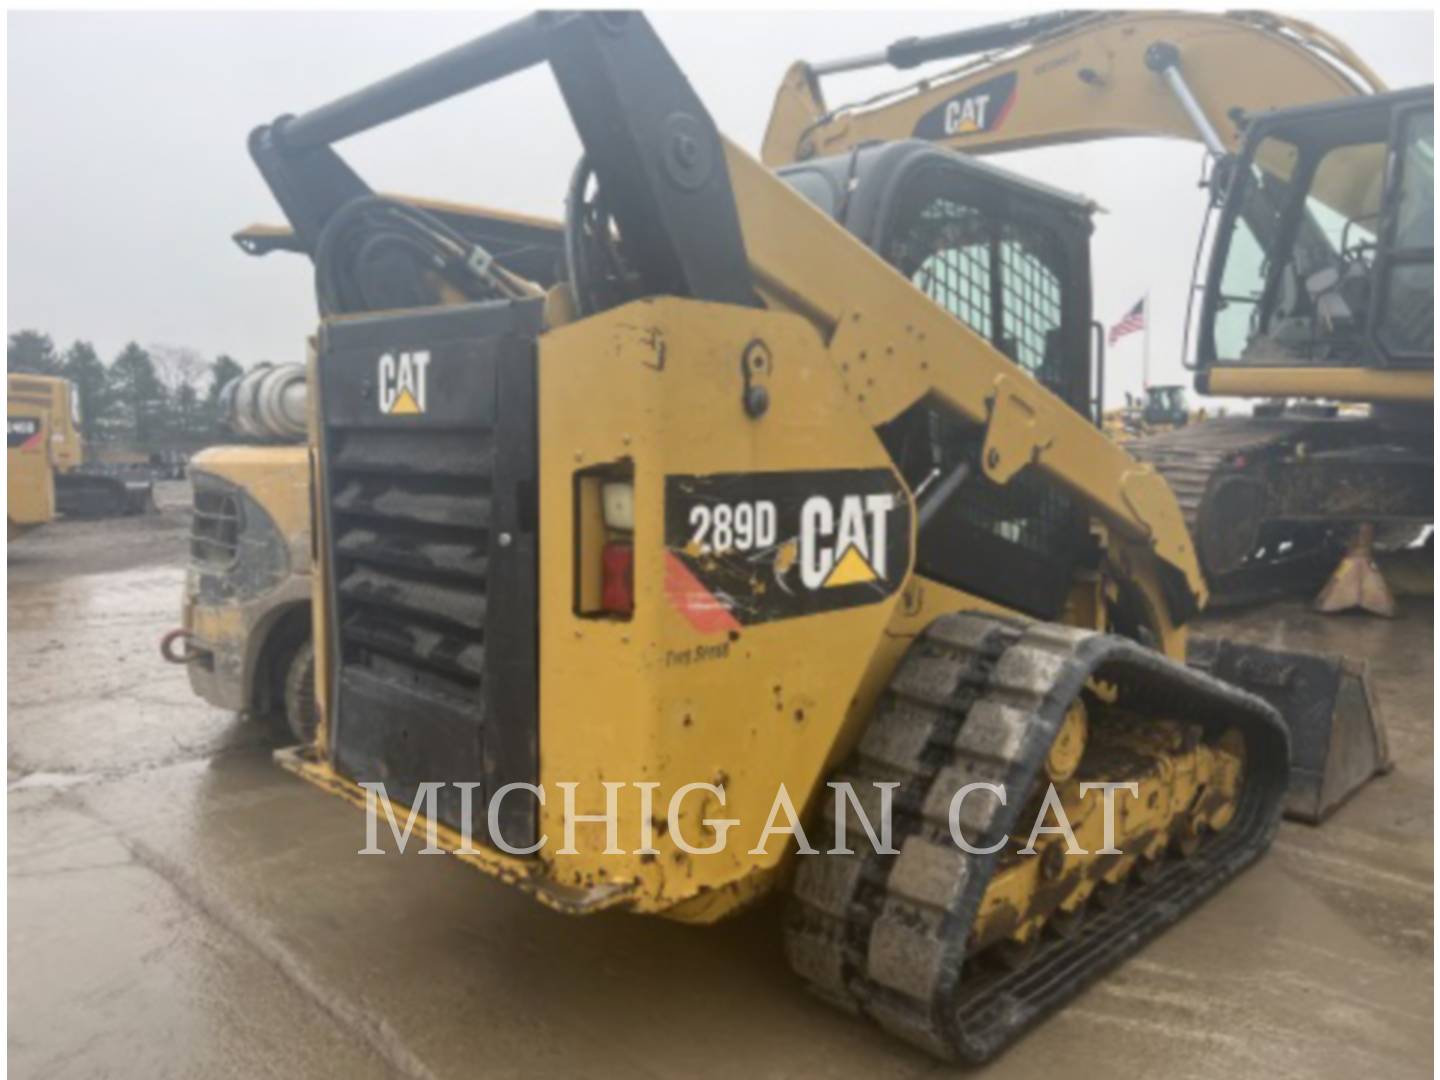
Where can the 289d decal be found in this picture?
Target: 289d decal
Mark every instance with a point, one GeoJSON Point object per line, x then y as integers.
{"type": "Point", "coordinates": [746, 548]}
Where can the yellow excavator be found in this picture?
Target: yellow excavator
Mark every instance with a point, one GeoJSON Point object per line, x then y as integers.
{"type": "Point", "coordinates": [1321, 280]}
{"type": "Point", "coordinates": [44, 427]}
{"type": "Point", "coordinates": [747, 510]}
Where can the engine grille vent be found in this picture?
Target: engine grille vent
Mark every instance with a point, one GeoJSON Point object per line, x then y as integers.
{"type": "Point", "coordinates": [215, 525]}
{"type": "Point", "coordinates": [411, 513]}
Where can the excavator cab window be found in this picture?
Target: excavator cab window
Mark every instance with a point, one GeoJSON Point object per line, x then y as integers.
{"type": "Point", "coordinates": [1321, 258]}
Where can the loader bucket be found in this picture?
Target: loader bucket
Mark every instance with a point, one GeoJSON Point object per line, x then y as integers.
{"type": "Point", "coordinates": [1337, 740]}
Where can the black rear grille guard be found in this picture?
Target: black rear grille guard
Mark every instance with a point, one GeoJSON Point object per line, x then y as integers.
{"type": "Point", "coordinates": [215, 523]}
{"type": "Point", "coordinates": [432, 548]}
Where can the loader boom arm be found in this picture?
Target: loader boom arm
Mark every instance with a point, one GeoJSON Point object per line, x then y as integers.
{"type": "Point", "coordinates": [1064, 78]}
{"type": "Point", "coordinates": [762, 243]}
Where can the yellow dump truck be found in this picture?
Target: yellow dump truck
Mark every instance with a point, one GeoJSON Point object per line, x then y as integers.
{"type": "Point", "coordinates": [245, 623]}
{"type": "Point", "coordinates": [245, 632]}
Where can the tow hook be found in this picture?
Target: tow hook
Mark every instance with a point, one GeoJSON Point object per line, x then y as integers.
{"type": "Point", "coordinates": [167, 647]}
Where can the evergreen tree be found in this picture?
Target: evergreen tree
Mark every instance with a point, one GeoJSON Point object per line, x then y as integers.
{"type": "Point", "coordinates": [139, 396]}
{"type": "Point", "coordinates": [190, 417]}
{"type": "Point", "coordinates": [30, 350]}
{"type": "Point", "coordinates": [83, 368]}
{"type": "Point", "coordinates": [222, 371]}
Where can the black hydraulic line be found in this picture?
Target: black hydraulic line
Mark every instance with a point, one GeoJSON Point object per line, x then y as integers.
{"type": "Point", "coordinates": [913, 51]}
{"type": "Point", "coordinates": [513, 47]}
{"type": "Point", "coordinates": [932, 500]}
{"type": "Point", "coordinates": [657, 158]}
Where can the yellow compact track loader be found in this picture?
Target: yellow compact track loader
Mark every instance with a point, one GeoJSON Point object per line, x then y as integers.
{"type": "Point", "coordinates": [766, 493]}
{"type": "Point", "coordinates": [1158, 409]}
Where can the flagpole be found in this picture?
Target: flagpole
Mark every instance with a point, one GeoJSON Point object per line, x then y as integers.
{"type": "Point", "coordinates": [1145, 362]}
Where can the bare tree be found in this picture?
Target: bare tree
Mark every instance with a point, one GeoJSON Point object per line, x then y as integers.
{"type": "Point", "coordinates": [177, 366]}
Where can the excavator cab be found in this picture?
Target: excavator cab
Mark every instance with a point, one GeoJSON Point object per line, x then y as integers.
{"type": "Point", "coordinates": [1325, 255]}
{"type": "Point", "coordinates": [1320, 290]}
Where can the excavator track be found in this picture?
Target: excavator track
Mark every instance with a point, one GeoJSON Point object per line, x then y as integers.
{"type": "Point", "coordinates": [92, 495]}
{"type": "Point", "coordinates": [979, 698]}
{"type": "Point", "coordinates": [1216, 470]}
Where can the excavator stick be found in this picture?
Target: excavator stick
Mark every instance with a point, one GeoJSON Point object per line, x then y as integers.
{"type": "Point", "coordinates": [1337, 739]}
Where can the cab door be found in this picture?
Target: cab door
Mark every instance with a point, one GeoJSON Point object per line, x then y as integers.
{"type": "Point", "coordinates": [1402, 317]}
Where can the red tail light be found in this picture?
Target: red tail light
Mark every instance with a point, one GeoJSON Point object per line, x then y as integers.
{"type": "Point", "coordinates": [617, 580]}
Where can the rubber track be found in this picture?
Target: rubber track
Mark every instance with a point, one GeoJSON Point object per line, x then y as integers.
{"type": "Point", "coordinates": [980, 698]}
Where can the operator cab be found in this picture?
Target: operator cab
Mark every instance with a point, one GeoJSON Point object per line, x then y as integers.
{"type": "Point", "coordinates": [1010, 258]}
{"type": "Point", "coordinates": [1325, 251]}
{"type": "Point", "coordinates": [1166, 406]}
{"type": "Point", "coordinates": [1005, 255]}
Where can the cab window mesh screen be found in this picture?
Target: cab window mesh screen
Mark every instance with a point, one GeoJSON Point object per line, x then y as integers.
{"type": "Point", "coordinates": [957, 273]}
{"type": "Point", "coordinates": [1030, 302]}
{"type": "Point", "coordinates": [1016, 543]}
{"type": "Point", "coordinates": [986, 271]}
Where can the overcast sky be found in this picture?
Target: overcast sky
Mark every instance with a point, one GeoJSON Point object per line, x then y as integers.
{"type": "Point", "coordinates": [128, 169]}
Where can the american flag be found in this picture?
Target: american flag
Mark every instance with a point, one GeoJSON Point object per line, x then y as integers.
{"type": "Point", "coordinates": [1134, 320]}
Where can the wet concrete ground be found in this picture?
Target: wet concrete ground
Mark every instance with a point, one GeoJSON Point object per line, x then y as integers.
{"type": "Point", "coordinates": [180, 907]}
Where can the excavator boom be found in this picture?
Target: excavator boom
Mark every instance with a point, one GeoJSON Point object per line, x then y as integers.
{"type": "Point", "coordinates": [1073, 77]}
{"type": "Point", "coordinates": [1247, 488]}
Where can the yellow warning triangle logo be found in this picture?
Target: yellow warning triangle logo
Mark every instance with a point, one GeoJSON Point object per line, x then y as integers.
{"type": "Point", "coordinates": [404, 405]}
{"type": "Point", "coordinates": [851, 569]}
